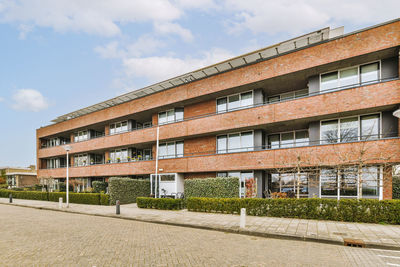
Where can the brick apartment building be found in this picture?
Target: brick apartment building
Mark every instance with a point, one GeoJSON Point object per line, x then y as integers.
{"type": "Point", "coordinates": [311, 116]}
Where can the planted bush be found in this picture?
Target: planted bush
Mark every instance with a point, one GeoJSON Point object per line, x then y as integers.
{"type": "Point", "coordinates": [126, 190]}
{"type": "Point", "coordinates": [34, 195]}
{"type": "Point", "coordinates": [99, 186]}
{"type": "Point", "coordinates": [212, 187]}
{"type": "Point", "coordinates": [349, 210]}
{"type": "Point", "coordinates": [79, 198]}
{"type": "Point", "coordinates": [160, 203]}
{"type": "Point", "coordinates": [104, 199]}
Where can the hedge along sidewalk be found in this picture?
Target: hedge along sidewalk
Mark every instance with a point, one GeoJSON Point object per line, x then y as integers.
{"type": "Point", "coordinates": [374, 235]}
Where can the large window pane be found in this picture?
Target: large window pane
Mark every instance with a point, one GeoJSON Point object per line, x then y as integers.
{"type": "Point", "coordinates": [234, 143]}
{"type": "Point", "coordinates": [170, 116]}
{"type": "Point", "coordinates": [275, 183]}
{"type": "Point", "coordinates": [247, 141]}
{"type": "Point", "coordinates": [124, 126]}
{"type": "Point", "coordinates": [287, 183]}
{"type": "Point", "coordinates": [243, 177]}
{"type": "Point", "coordinates": [301, 93]}
{"type": "Point", "coordinates": [287, 140]}
{"type": "Point", "coordinates": [246, 99]}
{"type": "Point", "coordinates": [348, 77]}
{"type": "Point", "coordinates": [171, 153]}
{"type": "Point", "coordinates": [179, 114]}
{"type": "Point", "coordinates": [179, 149]}
{"type": "Point", "coordinates": [370, 73]}
{"type": "Point", "coordinates": [233, 102]}
{"type": "Point", "coordinates": [303, 183]}
{"type": "Point", "coordinates": [274, 99]}
{"type": "Point", "coordinates": [162, 117]}
{"type": "Point", "coordinates": [221, 105]}
{"type": "Point", "coordinates": [302, 138]}
{"type": "Point", "coordinates": [287, 96]}
{"type": "Point", "coordinates": [348, 182]}
{"type": "Point", "coordinates": [349, 129]}
{"type": "Point", "coordinates": [273, 141]}
{"type": "Point", "coordinates": [329, 81]}
{"type": "Point", "coordinates": [328, 179]}
{"type": "Point", "coordinates": [370, 181]}
{"type": "Point", "coordinates": [329, 132]}
{"type": "Point", "coordinates": [221, 144]}
{"type": "Point", "coordinates": [370, 127]}
{"type": "Point", "coordinates": [162, 150]}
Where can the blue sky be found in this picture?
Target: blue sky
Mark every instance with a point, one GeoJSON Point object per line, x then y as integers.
{"type": "Point", "coordinates": [57, 56]}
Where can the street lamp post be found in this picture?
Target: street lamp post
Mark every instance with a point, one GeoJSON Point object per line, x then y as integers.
{"type": "Point", "coordinates": [397, 113]}
{"type": "Point", "coordinates": [67, 148]}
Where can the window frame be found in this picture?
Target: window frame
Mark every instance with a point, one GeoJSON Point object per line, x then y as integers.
{"type": "Point", "coordinates": [294, 138]}
{"type": "Point", "coordinates": [240, 149]}
{"type": "Point", "coordinates": [176, 155]}
{"type": "Point", "coordinates": [240, 102]}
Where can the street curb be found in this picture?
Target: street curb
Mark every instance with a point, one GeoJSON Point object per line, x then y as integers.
{"type": "Point", "coordinates": [219, 229]}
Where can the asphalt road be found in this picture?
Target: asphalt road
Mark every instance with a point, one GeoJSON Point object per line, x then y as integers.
{"type": "Point", "coordinates": [48, 238]}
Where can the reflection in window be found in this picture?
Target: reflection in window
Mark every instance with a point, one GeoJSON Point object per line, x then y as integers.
{"type": "Point", "coordinates": [236, 142]}
{"type": "Point", "coordinates": [170, 116]}
{"type": "Point", "coordinates": [170, 150]}
{"type": "Point", "coordinates": [370, 72]}
{"type": "Point", "coordinates": [329, 81]}
{"type": "Point", "coordinates": [348, 182]}
{"type": "Point", "coordinates": [349, 129]}
{"type": "Point", "coordinates": [370, 181]}
{"type": "Point", "coordinates": [369, 127]}
{"type": "Point", "coordinates": [329, 132]}
{"type": "Point", "coordinates": [273, 141]}
{"type": "Point", "coordinates": [328, 180]}
{"type": "Point", "coordinates": [348, 77]}
{"type": "Point", "coordinates": [287, 140]}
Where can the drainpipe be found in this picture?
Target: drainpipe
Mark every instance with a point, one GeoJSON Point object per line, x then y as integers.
{"type": "Point", "coordinates": [156, 178]}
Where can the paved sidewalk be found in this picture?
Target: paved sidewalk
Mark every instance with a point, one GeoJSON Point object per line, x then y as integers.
{"type": "Point", "coordinates": [373, 235]}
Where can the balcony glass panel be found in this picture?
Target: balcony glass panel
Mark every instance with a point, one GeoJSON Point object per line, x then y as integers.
{"type": "Point", "coordinates": [287, 140]}
{"type": "Point", "coordinates": [273, 141]}
{"type": "Point", "coordinates": [302, 138]}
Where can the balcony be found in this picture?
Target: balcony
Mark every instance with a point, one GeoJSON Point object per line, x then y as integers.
{"type": "Point", "coordinates": [369, 152]}
{"type": "Point", "coordinates": [381, 93]}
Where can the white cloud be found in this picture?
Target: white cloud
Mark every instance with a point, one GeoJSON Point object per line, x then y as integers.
{"type": "Point", "coordinates": [144, 45]}
{"type": "Point", "coordinates": [101, 17]}
{"type": "Point", "coordinates": [1, 99]}
{"type": "Point", "coordinates": [174, 28]}
{"type": "Point", "coordinates": [29, 100]}
{"type": "Point", "coordinates": [296, 17]}
{"type": "Point", "coordinates": [156, 69]}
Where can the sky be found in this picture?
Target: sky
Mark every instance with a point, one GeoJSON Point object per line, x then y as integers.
{"type": "Point", "coordinates": [57, 56]}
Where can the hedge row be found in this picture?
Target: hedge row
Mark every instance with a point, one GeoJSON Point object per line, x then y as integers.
{"type": "Point", "coordinates": [126, 190]}
{"type": "Point", "coordinates": [160, 203]}
{"type": "Point", "coordinates": [99, 186]}
{"type": "Point", "coordinates": [349, 210]}
{"type": "Point", "coordinates": [220, 187]}
{"type": "Point", "coordinates": [79, 198]}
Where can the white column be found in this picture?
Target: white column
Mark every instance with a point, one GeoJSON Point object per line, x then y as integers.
{"type": "Point", "coordinates": [156, 177]}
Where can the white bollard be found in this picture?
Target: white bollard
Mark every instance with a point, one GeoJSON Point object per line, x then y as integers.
{"type": "Point", "coordinates": [242, 218]}
{"type": "Point", "coordinates": [60, 202]}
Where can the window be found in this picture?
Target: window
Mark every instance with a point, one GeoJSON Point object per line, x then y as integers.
{"type": "Point", "coordinates": [81, 136]}
{"type": "Point", "coordinates": [370, 72]}
{"type": "Point", "coordinates": [288, 183]}
{"type": "Point", "coordinates": [328, 180]}
{"type": "Point", "coordinates": [235, 142]}
{"type": "Point", "coordinates": [349, 77]}
{"type": "Point", "coordinates": [302, 138]}
{"type": "Point", "coordinates": [171, 150]}
{"type": "Point", "coordinates": [349, 129]}
{"type": "Point", "coordinates": [369, 127]}
{"type": "Point", "coordinates": [329, 131]}
{"type": "Point", "coordinates": [273, 141]}
{"type": "Point", "coordinates": [147, 154]}
{"type": "Point", "coordinates": [274, 99]}
{"type": "Point", "coordinates": [348, 182]}
{"type": "Point", "coordinates": [222, 144]}
{"type": "Point", "coordinates": [53, 163]}
{"type": "Point", "coordinates": [288, 96]}
{"type": "Point", "coordinates": [221, 105]}
{"type": "Point", "coordinates": [81, 160]}
{"type": "Point", "coordinates": [118, 127]}
{"type": "Point", "coordinates": [288, 139]}
{"type": "Point", "coordinates": [329, 81]}
{"type": "Point", "coordinates": [119, 155]}
{"type": "Point", "coordinates": [170, 116]}
{"type": "Point", "coordinates": [370, 181]}
{"type": "Point", "coordinates": [235, 102]}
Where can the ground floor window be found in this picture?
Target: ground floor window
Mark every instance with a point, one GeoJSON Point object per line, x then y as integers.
{"type": "Point", "coordinates": [288, 183]}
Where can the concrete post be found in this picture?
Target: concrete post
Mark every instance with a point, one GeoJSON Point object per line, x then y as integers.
{"type": "Point", "coordinates": [117, 206]}
{"type": "Point", "coordinates": [242, 218]}
{"type": "Point", "coordinates": [60, 202]}
{"type": "Point", "coordinates": [10, 198]}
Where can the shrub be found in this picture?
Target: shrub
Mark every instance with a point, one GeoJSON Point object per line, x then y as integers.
{"type": "Point", "coordinates": [104, 199]}
{"type": "Point", "coordinates": [396, 187]}
{"type": "Point", "coordinates": [79, 198]}
{"type": "Point", "coordinates": [350, 210]}
{"type": "Point", "coordinates": [99, 186]}
{"type": "Point", "coordinates": [63, 187]}
{"type": "Point", "coordinates": [160, 203]}
{"type": "Point", "coordinates": [126, 190]}
{"type": "Point", "coordinates": [24, 194]}
{"type": "Point", "coordinates": [212, 187]}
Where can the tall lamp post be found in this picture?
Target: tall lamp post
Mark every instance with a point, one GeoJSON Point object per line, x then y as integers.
{"type": "Point", "coordinates": [67, 148]}
{"type": "Point", "coordinates": [397, 113]}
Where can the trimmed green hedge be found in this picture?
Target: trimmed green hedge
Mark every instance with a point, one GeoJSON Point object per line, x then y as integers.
{"type": "Point", "coordinates": [396, 187]}
{"type": "Point", "coordinates": [79, 198]}
{"type": "Point", "coordinates": [35, 195]}
{"type": "Point", "coordinates": [99, 186]}
{"type": "Point", "coordinates": [349, 210]}
{"type": "Point", "coordinates": [126, 190]}
{"type": "Point", "coordinates": [220, 187]}
{"type": "Point", "coordinates": [160, 203]}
